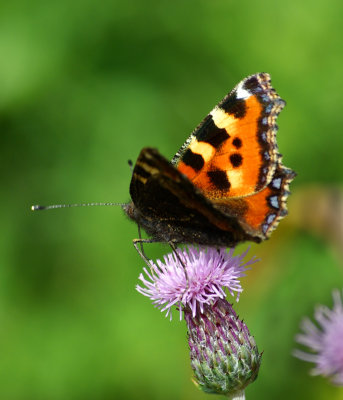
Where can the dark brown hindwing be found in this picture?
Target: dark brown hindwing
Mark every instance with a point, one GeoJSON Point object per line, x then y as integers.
{"type": "Point", "coordinates": [169, 206]}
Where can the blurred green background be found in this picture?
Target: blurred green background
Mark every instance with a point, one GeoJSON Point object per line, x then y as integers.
{"type": "Point", "coordinates": [84, 86]}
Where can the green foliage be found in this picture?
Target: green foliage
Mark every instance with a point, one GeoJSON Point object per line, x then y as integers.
{"type": "Point", "coordinates": [84, 86]}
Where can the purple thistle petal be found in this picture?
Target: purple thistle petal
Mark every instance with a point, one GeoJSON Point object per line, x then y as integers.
{"type": "Point", "coordinates": [325, 342]}
{"type": "Point", "coordinates": [210, 271]}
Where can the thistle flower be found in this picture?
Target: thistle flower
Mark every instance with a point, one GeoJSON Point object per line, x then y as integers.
{"type": "Point", "coordinates": [325, 342]}
{"type": "Point", "coordinates": [193, 278]}
{"type": "Point", "coordinates": [224, 356]}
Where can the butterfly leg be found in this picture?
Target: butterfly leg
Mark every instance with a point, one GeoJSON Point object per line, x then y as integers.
{"type": "Point", "coordinates": [138, 244]}
{"type": "Point", "coordinates": [141, 242]}
{"type": "Point", "coordinates": [174, 248]}
{"type": "Point", "coordinates": [140, 251]}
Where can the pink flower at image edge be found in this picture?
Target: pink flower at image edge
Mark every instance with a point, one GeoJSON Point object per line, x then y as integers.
{"type": "Point", "coordinates": [324, 341]}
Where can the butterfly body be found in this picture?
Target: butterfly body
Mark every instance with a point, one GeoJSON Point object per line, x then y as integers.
{"type": "Point", "coordinates": [226, 184]}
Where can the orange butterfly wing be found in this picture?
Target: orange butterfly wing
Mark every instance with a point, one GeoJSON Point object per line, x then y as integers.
{"type": "Point", "coordinates": [232, 156]}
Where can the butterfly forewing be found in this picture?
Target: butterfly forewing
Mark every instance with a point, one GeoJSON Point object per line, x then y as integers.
{"type": "Point", "coordinates": [233, 152]}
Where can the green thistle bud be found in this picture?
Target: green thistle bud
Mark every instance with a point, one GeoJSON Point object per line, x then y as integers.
{"type": "Point", "coordinates": [224, 356]}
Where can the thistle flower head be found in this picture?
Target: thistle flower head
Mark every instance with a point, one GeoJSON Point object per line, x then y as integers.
{"type": "Point", "coordinates": [325, 342]}
{"type": "Point", "coordinates": [193, 278]}
{"type": "Point", "coordinates": [224, 356]}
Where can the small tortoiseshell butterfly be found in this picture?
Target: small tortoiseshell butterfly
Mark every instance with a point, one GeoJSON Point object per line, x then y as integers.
{"type": "Point", "coordinates": [226, 184]}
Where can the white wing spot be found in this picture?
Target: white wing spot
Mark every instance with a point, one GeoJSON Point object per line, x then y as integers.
{"type": "Point", "coordinates": [242, 93]}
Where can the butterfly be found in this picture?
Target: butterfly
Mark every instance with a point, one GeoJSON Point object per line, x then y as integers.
{"type": "Point", "coordinates": [226, 184]}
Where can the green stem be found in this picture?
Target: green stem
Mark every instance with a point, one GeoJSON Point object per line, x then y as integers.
{"type": "Point", "coordinates": [239, 396]}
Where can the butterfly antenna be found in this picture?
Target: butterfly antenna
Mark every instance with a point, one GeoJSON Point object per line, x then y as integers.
{"type": "Point", "coordinates": [38, 207]}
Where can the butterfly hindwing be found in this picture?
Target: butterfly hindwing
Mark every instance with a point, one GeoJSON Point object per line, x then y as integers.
{"type": "Point", "coordinates": [261, 212]}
